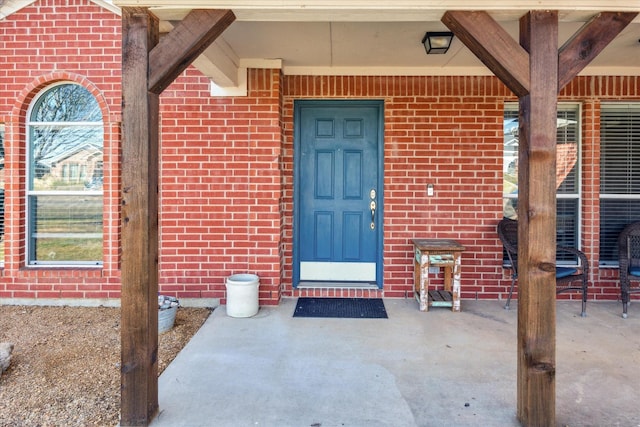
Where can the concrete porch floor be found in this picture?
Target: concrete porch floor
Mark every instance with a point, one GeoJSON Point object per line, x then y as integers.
{"type": "Point", "coordinates": [413, 369]}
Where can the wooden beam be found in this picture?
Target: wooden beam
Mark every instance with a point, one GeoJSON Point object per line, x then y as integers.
{"type": "Point", "coordinates": [218, 61]}
{"type": "Point", "coordinates": [493, 46]}
{"type": "Point", "coordinates": [178, 49]}
{"type": "Point", "coordinates": [588, 42]}
{"type": "Point", "coordinates": [139, 307]}
{"type": "Point", "coordinates": [537, 223]}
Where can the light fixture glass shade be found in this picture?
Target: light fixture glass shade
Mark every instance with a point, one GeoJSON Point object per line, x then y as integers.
{"type": "Point", "coordinates": [437, 41]}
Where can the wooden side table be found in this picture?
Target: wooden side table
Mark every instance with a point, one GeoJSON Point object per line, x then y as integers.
{"type": "Point", "coordinates": [441, 253]}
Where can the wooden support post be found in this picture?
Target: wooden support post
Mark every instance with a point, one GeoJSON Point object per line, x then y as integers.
{"type": "Point", "coordinates": [148, 67]}
{"type": "Point", "coordinates": [536, 73]}
{"type": "Point", "coordinates": [537, 223]}
{"type": "Point", "coordinates": [139, 317]}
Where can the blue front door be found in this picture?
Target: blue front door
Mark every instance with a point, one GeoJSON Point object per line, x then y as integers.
{"type": "Point", "coordinates": [338, 192]}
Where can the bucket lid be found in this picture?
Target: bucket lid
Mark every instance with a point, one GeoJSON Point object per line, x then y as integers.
{"type": "Point", "coordinates": [247, 278]}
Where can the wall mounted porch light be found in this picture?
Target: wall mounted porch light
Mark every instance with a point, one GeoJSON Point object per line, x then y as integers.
{"type": "Point", "coordinates": [437, 41]}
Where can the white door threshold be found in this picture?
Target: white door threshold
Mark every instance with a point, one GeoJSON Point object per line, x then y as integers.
{"type": "Point", "coordinates": [337, 285]}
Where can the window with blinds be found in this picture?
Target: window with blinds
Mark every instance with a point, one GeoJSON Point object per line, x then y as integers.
{"type": "Point", "coordinates": [619, 175]}
{"type": "Point", "coordinates": [567, 173]}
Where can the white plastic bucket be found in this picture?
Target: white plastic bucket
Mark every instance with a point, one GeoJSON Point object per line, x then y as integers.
{"type": "Point", "coordinates": [242, 295]}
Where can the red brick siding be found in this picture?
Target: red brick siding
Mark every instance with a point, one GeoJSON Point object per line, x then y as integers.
{"type": "Point", "coordinates": [220, 187]}
{"type": "Point", "coordinates": [227, 166]}
{"type": "Point", "coordinates": [447, 131]}
{"type": "Point", "coordinates": [220, 183]}
{"type": "Point", "coordinates": [46, 42]}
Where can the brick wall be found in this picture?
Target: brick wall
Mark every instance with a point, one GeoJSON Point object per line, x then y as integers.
{"type": "Point", "coordinates": [220, 184]}
{"type": "Point", "coordinates": [47, 42]}
{"type": "Point", "coordinates": [220, 187]}
{"type": "Point", "coordinates": [447, 131]}
{"type": "Point", "coordinates": [227, 165]}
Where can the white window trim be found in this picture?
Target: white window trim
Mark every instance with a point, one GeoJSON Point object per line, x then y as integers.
{"type": "Point", "coordinates": [28, 192]}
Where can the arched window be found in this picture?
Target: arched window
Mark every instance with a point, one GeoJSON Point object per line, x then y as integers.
{"type": "Point", "coordinates": [64, 208]}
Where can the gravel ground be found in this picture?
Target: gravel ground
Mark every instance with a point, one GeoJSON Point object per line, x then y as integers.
{"type": "Point", "coordinates": [65, 369]}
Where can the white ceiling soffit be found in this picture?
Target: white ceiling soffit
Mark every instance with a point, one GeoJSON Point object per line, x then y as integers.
{"type": "Point", "coordinates": [377, 37]}
{"type": "Point", "coordinates": [381, 10]}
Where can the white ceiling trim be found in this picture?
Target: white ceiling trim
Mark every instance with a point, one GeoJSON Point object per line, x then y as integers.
{"type": "Point", "coordinates": [385, 71]}
{"type": "Point", "coordinates": [431, 71]}
{"type": "Point", "coordinates": [380, 10]}
{"type": "Point", "coordinates": [108, 4]}
{"type": "Point", "coordinates": [383, 4]}
{"type": "Point", "coordinates": [220, 64]}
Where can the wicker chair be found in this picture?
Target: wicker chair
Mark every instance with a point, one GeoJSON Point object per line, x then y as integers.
{"type": "Point", "coordinates": [565, 275]}
{"type": "Point", "coordinates": [629, 259]}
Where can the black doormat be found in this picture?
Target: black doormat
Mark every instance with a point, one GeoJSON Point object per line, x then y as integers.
{"type": "Point", "coordinates": [352, 308]}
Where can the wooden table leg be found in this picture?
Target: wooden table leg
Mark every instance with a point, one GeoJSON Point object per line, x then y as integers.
{"type": "Point", "coordinates": [455, 294]}
{"type": "Point", "coordinates": [424, 286]}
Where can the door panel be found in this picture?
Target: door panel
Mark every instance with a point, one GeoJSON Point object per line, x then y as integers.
{"type": "Point", "coordinates": [337, 237]}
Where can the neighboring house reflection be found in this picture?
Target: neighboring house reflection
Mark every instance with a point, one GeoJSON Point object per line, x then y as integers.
{"type": "Point", "coordinates": [81, 165]}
